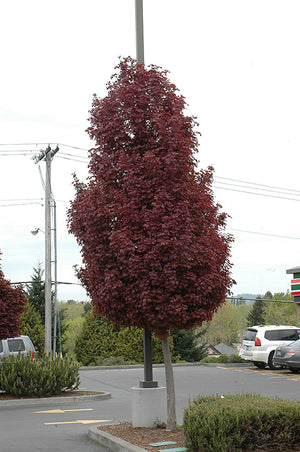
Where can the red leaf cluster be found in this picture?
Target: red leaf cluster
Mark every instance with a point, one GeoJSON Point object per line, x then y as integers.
{"type": "Point", "coordinates": [12, 304]}
{"type": "Point", "coordinates": [155, 254]}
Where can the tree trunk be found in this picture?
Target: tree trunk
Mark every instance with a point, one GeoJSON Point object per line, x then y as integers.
{"type": "Point", "coordinates": [171, 410]}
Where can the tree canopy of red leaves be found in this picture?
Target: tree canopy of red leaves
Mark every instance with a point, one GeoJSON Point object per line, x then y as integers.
{"type": "Point", "coordinates": [155, 252]}
{"type": "Point", "coordinates": [12, 304]}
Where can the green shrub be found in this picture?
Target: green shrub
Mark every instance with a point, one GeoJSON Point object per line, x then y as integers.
{"type": "Point", "coordinates": [223, 359]}
{"type": "Point", "coordinates": [21, 376]}
{"type": "Point", "coordinates": [241, 422]}
{"type": "Point", "coordinates": [113, 361]}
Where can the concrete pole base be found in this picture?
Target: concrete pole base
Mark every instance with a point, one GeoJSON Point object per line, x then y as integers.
{"type": "Point", "coordinates": [149, 406]}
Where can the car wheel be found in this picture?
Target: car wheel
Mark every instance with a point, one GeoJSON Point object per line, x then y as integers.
{"type": "Point", "coordinates": [259, 365]}
{"type": "Point", "coordinates": [270, 362]}
{"type": "Point", "coordinates": [294, 370]}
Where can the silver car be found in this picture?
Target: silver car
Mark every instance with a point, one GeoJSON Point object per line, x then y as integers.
{"type": "Point", "coordinates": [288, 356]}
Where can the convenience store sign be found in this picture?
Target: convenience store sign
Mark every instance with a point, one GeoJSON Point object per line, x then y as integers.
{"type": "Point", "coordinates": [295, 287]}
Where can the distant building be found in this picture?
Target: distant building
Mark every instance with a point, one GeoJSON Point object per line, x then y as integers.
{"type": "Point", "coordinates": [221, 349]}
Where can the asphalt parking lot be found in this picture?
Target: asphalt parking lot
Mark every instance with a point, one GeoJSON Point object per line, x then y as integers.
{"type": "Point", "coordinates": [64, 428]}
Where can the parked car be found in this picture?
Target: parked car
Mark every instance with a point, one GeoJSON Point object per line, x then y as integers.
{"type": "Point", "coordinates": [288, 356]}
{"type": "Point", "coordinates": [16, 345]}
{"type": "Point", "coordinates": [260, 342]}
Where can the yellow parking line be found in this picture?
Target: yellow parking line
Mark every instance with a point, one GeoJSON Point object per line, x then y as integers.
{"type": "Point", "coordinates": [88, 421]}
{"type": "Point", "coordinates": [58, 411]}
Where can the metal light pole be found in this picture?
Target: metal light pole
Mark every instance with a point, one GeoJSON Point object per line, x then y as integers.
{"type": "Point", "coordinates": [147, 336]}
{"type": "Point", "coordinates": [139, 29]}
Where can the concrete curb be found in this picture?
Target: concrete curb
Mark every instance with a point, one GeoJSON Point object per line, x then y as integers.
{"type": "Point", "coordinates": [140, 366]}
{"type": "Point", "coordinates": [54, 400]}
{"type": "Point", "coordinates": [108, 442]}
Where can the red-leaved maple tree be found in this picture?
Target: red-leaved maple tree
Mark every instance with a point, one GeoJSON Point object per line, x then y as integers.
{"type": "Point", "coordinates": [153, 244]}
{"type": "Point", "coordinates": [155, 252]}
{"type": "Point", "coordinates": [12, 304]}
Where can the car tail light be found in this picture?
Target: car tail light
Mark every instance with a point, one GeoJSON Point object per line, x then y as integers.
{"type": "Point", "coordinates": [291, 352]}
{"type": "Point", "coordinates": [32, 355]}
{"type": "Point", "coordinates": [257, 342]}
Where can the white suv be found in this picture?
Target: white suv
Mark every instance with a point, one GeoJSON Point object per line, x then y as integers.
{"type": "Point", "coordinates": [16, 345]}
{"type": "Point", "coordinates": [260, 342]}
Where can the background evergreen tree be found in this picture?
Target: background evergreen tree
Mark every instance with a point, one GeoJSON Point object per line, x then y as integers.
{"type": "Point", "coordinates": [32, 326]}
{"type": "Point", "coordinates": [96, 339]}
{"type": "Point", "coordinates": [130, 346]}
{"type": "Point", "coordinates": [35, 291]}
{"type": "Point", "coordinates": [257, 314]}
{"type": "Point", "coordinates": [186, 347]}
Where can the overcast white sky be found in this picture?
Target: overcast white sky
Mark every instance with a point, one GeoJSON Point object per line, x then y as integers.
{"type": "Point", "coordinates": [236, 62]}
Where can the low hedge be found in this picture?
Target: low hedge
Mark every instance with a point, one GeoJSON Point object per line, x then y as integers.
{"type": "Point", "coordinates": [241, 422]}
{"type": "Point", "coordinates": [21, 376]}
{"type": "Point", "coordinates": [223, 359]}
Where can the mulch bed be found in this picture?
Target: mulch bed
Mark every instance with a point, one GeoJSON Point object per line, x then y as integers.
{"type": "Point", "coordinates": [142, 436]}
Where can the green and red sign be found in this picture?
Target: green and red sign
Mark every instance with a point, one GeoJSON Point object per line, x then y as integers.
{"type": "Point", "coordinates": [295, 287]}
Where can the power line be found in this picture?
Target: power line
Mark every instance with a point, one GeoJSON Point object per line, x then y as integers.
{"type": "Point", "coordinates": [72, 155]}
{"type": "Point", "coordinates": [37, 200]}
{"type": "Point", "coordinates": [21, 199]}
{"type": "Point", "coordinates": [258, 194]}
{"type": "Point", "coordinates": [73, 147]}
{"type": "Point", "coordinates": [45, 144]}
{"type": "Point", "coordinates": [260, 299]}
{"type": "Point", "coordinates": [15, 153]}
{"type": "Point", "coordinates": [43, 282]}
{"type": "Point", "coordinates": [76, 159]}
{"type": "Point", "coordinates": [254, 183]}
{"type": "Point", "coordinates": [21, 204]}
{"type": "Point", "coordinates": [292, 192]}
{"type": "Point", "coordinates": [264, 233]}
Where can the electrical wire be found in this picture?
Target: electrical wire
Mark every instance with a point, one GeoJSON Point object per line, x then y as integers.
{"type": "Point", "coordinates": [254, 183]}
{"type": "Point", "coordinates": [21, 204]}
{"type": "Point", "coordinates": [264, 233]}
{"type": "Point", "coordinates": [72, 159]}
{"type": "Point", "coordinates": [280, 191]}
{"type": "Point", "coordinates": [220, 182]}
{"type": "Point", "coordinates": [15, 153]}
{"type": "Point", "coordinates": [45, 144]}
{"type": "Point", "coordinates": [258, 194]}
{"type": "Point", "coordinates": [73, 147]}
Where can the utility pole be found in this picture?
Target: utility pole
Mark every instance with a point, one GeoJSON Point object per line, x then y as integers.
{"type": "Point", "coordinates": [55, 279]}
{"type": "Point", "coordinates": [48, 155]}
{"type": "Point", "coordinates": [48, 300]}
